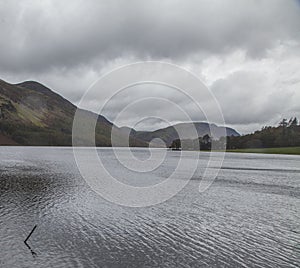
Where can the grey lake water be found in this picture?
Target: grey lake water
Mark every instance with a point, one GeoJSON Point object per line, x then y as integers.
{"type": "Point", "coordinates": [249, 217]}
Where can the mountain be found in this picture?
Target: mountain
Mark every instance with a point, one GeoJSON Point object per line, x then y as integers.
{"type": "Point", "coordinates": [32, 114]}
{"type": "Point", "coordinates": [169, 134]}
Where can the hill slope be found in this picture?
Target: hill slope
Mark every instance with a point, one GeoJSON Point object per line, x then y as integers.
{"type": "Point", "coordinates": [32, 114]}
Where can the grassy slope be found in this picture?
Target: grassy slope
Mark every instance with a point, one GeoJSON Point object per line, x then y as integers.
{"type": "Point", "coordinates": [281, 150]}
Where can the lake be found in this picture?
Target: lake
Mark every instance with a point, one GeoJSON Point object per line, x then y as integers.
{"type": "Point", "coordinates": [249, 217]}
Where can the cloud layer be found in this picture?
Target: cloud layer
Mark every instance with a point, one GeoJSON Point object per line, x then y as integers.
{"type": "Point", "coordinates": [246, 51]}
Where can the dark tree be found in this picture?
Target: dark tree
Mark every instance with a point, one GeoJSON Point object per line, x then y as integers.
{"type": "Point", "coordinates": [294, 122]}
{"type": "Point", "coordinates": [283, 123]}
{"type": "Point", "coordinates": [176, 144]}
{"type": "Point", "coordinates": [205, 143]}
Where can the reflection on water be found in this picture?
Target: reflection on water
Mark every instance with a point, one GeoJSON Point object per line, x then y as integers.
{"type": "Point", "coordinates": [249, 217]}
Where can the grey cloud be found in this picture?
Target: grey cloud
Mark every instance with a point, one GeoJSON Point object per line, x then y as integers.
{"type": "Point", "coordinates": [39, 35]}
{"type": "Point", "coordinates": [162, 105]}
{"type": "Point", "coordinates": [249, 97]}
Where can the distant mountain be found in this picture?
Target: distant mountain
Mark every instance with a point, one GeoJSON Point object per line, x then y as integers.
{"type": "Point", "coordinates": [32, 114]}
{"type": "Point", "coordinates": [169, 134]}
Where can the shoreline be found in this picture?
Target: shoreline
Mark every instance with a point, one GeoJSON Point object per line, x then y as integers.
{"type": "Point", "coordinates": [279, 150]}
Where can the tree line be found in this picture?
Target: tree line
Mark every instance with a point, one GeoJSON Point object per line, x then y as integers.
{"type": "Point", "coordinates": [285, 134]}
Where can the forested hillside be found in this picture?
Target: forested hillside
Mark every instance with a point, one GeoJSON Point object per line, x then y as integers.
{"type": "Point", "coordinates": [286, 134]}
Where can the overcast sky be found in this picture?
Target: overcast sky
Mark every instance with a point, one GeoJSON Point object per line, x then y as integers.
{"type": "Point", "coordinates": [246, 52]}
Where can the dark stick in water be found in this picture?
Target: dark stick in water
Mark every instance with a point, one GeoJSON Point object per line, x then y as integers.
{"type": "Point", "coordinates": [25, 241]}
